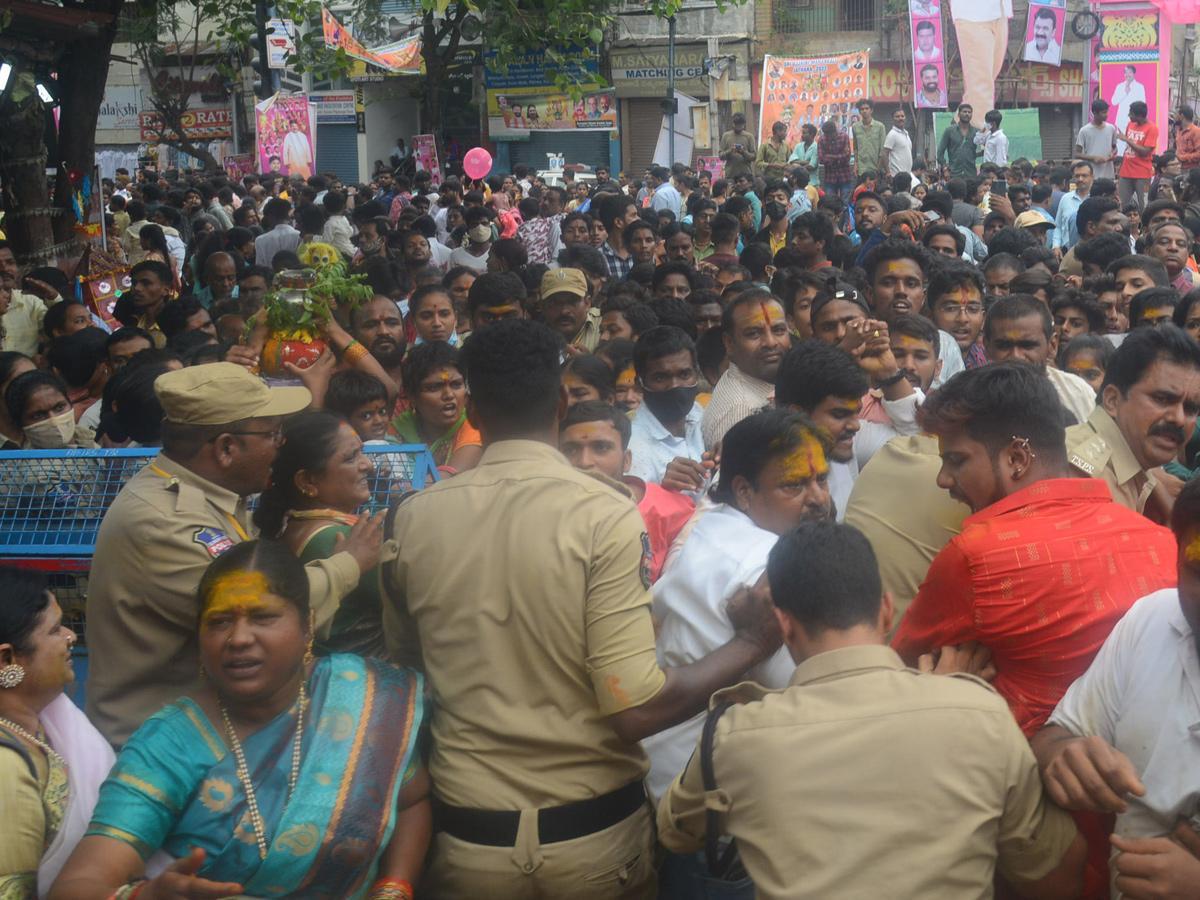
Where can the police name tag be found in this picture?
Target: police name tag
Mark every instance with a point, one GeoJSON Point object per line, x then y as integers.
{"type": "Point", "coordinates": [214, 541]}
{"type": "Point", "coordinates": [1082, 464]}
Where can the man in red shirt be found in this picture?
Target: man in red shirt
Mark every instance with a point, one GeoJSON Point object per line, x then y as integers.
{"type": "Point", "coordinates": [1187, 139]}
{"type": "Point", "coordinates": [1137, 167]}
{"type": "Point", "coordinates": [1047, 564]}
{"type": "Point", "coordinates": [595, 437]}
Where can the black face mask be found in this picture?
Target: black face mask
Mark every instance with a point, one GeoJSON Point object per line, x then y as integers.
{"type": "Point", "coordinates": [672, 404]}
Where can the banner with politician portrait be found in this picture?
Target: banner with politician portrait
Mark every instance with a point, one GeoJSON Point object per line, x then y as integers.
{"type": "Point", "coordinates": [1044, 31]}
{"type": "Point", "coordinates": [284, 138]}
{"type": "Point", "coordinates": [928, 53]}
{"type": "Point", "coordinates": [1128, 59]}
{"type": "Point", "coordinates": [812, 91]}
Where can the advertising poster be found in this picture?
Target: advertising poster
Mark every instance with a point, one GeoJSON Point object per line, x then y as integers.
{"type": "Point", "coordinates": [811, 90]}
{"type": "Point", "coordinates": [1128, 61]}
{"type": "Point", "coordinates": [284, 135]}
{"type": "Point", "coordinates": [523, 99]}
{"type": "Point", "coordinates": [237, 167]}
{"type": "Point", "coordinates": [426, 155]}
{"type": "Point", "coordinates": [711, 164]}
{"type": "Point", "coordinates": [929, 58]}
{"type": "Point", "coordinates": [1044, 31]}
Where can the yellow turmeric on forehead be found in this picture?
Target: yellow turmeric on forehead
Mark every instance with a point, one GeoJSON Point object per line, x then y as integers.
{"type": "Point", "coordinates": [237, 593]}
{"type": "Point", "coordinates": [807, 461]}
{"type": "Point", "coordinates": [1192, 551]}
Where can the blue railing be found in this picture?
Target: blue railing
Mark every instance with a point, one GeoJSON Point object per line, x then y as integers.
{"type": "Point", "coordinates": [52, 501]}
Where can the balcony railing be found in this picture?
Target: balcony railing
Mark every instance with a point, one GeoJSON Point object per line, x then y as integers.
{"type": "Point", "coordinates": [817, 16]}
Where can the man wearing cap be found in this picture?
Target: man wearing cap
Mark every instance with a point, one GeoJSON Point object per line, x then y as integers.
{"type": "Point", "coordinates": [567, 306]}
{"type": "Point", "coordinates": [1037, 225]}
{"type": "Point", "coordinates": [184, 509]}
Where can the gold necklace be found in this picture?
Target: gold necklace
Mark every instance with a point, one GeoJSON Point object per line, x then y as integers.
{"type": "Point", "coordinates": [243, 771]}
{"type": "Point", "coordinates": [33, 739]}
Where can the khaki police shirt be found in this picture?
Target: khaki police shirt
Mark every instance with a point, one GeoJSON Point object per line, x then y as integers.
{"type": "Point", "coordinates": [529, 585]}
{"type": "Point", "coordinates": [160, 534]}
{"type": "Point", "coordinates": [1096, 448]}
{"type": "Point", "coordinates": [908, 519]}
{"type": "Point", "coordinates": [880, 782]}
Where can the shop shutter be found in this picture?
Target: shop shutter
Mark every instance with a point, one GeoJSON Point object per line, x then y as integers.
{"type": "Point", "coordinates": [641, 124]}
{"type": "Point", "coordinates": [589, 148]}
{"type": "Point", "coordinates": [337, 151]}
{"type": "Point", "coordinates": [1058, 132]}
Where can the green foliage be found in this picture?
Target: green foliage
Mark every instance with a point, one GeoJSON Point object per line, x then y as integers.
{"type": "Point", "coordinates": [331, 287]}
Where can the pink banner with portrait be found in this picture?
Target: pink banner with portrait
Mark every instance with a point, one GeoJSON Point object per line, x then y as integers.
{"type": "Point", "coordinates": [1044, 32]}
{"type": "Point", "coordinates": [928, 53]}
{"type": "Point", "coordinates": [284, 135]}
{"type": "Point", "coordinates": [1128, 60]}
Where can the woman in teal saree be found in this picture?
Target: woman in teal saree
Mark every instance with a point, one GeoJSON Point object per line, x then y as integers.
{"type": "Point", "coordinates": [287, 778]}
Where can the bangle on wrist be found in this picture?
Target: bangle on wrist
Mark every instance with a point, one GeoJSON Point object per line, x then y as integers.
{"type": "Point", "coordinates": [895, 379]}
{"type": "Point", "coordinates": [128, 891]}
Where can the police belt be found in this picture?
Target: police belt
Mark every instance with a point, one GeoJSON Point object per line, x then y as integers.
{"type": "Point", "coordinates": [498, 828]}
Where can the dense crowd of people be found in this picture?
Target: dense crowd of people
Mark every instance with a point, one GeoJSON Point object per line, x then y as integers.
{"type": "Point", "coordinates": [825, 528]}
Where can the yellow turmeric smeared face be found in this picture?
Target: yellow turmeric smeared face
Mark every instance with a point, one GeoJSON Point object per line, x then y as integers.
{"type": "Point", "coordinates": [792, 486]}
{"type": "Point", "coordinates": [237, 594]}
{"type": "Point", "coordinates": [252, 641]}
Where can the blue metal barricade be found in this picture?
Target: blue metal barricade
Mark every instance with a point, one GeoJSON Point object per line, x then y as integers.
{"type": "Point", "coordinates": [52, 503]}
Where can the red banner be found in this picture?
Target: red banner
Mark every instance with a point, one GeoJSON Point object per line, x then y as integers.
{"type": "Point", "coordinates": [199, 124]}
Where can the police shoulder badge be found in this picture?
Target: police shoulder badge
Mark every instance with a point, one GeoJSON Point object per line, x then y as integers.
{"type": "Point", "coordinates": [647, 559]}
{"type": "Point", "coordinates": [214, 541]}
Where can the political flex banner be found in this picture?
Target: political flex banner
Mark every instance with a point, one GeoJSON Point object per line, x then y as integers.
{"type": "Point", "coordinates": [810, 90]}
{"type": "Point", "coordinates": [285, 144]}
{"type": "Point", "coordinates": [928, 53]}
{"type": "Point", "coordinates": [1044, 31]}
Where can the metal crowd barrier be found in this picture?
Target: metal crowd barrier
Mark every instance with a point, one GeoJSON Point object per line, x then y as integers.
{"type": "Point", "coordinates": [52, 503]}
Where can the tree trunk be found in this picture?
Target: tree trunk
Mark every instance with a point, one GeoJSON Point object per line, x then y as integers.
{"type": "Point", "coordinates": [82, 74]}
{"type": "Point", "coordinates": [23, 168]}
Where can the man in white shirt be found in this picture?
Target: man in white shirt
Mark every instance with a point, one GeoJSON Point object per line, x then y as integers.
{"type": "Point", "coordinates": [666, 426]}
{"type": "Point", "coordinates": [1123, 738]}
{"type": "Point", "coordinates": [897, 146]}
{"type": "Point", "coordinates": [1128, 91]}
{"type": "Point", "coordinates": [756, 340]}
{"type": "Point", "coordinates": [927, 49]}
{"type": "Point", "coordinates": [1044, 48]}
{"type": "Point", "coordinates": [992, 139]}
{"type": "Point", "coordinates": [825, 383]}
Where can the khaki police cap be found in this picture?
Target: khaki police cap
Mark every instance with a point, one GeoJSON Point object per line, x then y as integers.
{"type": "Point", "coordinates": [564, 281]}
{"type": "Point", "coordinates": [220, 393]}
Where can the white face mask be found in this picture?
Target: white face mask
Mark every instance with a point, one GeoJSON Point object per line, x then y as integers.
{"type": "Point", "coordinates": [54, 433]}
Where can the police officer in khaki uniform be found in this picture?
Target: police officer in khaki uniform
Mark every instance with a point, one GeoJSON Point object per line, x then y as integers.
{"type": "Point", "coordinates": [881, 782]}
{"type": "Point", "coordinates": [568, 307]}
{"type": "Point", "coordinates": [174, 517]}
{"type": "Point", "coordinates": [528, 585]}
{"type": "Point", "coordinates": [1147, 413]}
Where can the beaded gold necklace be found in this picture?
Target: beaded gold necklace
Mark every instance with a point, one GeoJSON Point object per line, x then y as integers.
{"type": "Point", "coordinates": [243, 771]}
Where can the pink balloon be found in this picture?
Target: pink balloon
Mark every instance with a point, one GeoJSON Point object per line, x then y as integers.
{"type": "Point", "coordinates": [477, 163]}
